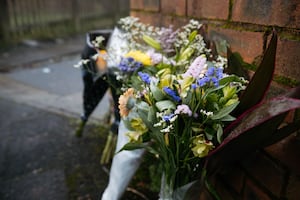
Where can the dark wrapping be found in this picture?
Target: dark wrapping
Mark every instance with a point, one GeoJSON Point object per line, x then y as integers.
{"type": "Point", "coordinates": [95, 86]}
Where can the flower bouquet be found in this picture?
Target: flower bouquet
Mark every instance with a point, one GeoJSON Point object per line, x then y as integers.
{"type": "Point", "coordinates": [180, 103]}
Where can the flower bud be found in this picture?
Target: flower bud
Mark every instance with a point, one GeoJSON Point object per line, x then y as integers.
{"type": "Point", "coordinates": [153, 43]}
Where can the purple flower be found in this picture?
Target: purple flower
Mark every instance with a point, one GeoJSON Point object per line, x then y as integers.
{"type": "Point", "coordinates": [167, 39]}
{"type": "Point", "coordinates": [183, 109]}
{"type": "Point", "coordinates": [145, 77]}
{"type": "Point", "coordinates": [172, 94]}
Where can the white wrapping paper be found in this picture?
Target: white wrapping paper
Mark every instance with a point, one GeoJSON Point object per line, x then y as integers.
{"type": "Point", "coordinates": [124, 166]}
{"type": "Point", "coordinates": [124, 163]}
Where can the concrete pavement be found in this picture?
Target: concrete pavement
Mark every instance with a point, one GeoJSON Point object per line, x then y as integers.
{"type": "Point", "coordinates": [40, 105]}
{"type": "Point", "coordinates": [42, 75]}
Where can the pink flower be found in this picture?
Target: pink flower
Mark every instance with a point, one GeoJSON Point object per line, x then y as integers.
{"type": "Point", "coordinates": [197, 67]}
{"type": "Point", "coordinates": [183, 109]}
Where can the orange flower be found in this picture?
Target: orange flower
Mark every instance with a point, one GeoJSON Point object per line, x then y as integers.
{"type": "Point", "coordinates": [101, 62]}
{"type": "Point", "coordinates": [126, 102]}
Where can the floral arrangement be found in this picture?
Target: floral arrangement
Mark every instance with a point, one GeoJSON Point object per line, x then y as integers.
{"type": "Point", "coordinates": [180, 102]}
{"type": "Point", "coordinates": [177, 97]}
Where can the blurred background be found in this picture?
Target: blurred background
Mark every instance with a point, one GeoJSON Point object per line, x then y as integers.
{"type": "Point", "coordinates": [41, 101]}
{"type": "Point", "coordinates": [41, 94]}
{"type": "Point", "coordinates": [23, 19]}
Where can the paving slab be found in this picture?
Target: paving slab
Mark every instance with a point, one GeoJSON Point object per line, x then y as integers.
{"type": "Point", "coordinates": [59, 90]}
{"type": "Point", "coordinates": [40, 158]}
{"type": "Point", "coordinates": [26, 55]}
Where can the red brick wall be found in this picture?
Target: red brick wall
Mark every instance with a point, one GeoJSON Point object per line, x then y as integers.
{"type": "Point", "coordinates": [274, 172]}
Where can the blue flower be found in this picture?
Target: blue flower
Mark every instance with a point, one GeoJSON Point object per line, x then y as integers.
{"type": "Point", "coordinates": [219, 73]}
{"type": "Point", "coordinates": [213, 75]}
{"type": "Point", "coordinates": [167, 118]}
{"type": "Point", "coordinates": [130, 59]}
{"type": "Point", "coordinates": [215, 81]}
{"type": "Point", "coordinates": [172, 93]}
{"type": "Point", "coordinates": [210, 71]}
{"type": "Point", "coordinates": [145, 77]}
{"type": "Point", "coordinates": [194, 86]}
{"type": "Point", "coordinates": [201, 82]}
{"type": "Point", "coordinates": [129, 65]}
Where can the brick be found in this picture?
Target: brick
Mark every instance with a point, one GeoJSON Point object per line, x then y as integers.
{"type": "Point", "coordinates": [174, 21]}
{"type": "Point", "coordinates": [152, 5]}
{"type": "Point", "coordinates": [284, 13]}
{"type": "Point", "coordinates": [253, 192]}
{"type": "Point", "coordinates": [288, 59]}
{"type": "Point", "coordinates": [248, 44]}
{"type": "Point", "coordinates": [208, 9]}
{"type": "Point", "coordinates": [293, 192]}
{"type": "Point", "coordinates": [136, 4]}
{"type": "Point", "coordinates": [288, 152]}
{"type": "Point", "coordinates": [174, 7]}
{"type": "Point", "coordinates": [267, 172]}
{"type": "Point", "coordinates": [153, 19]}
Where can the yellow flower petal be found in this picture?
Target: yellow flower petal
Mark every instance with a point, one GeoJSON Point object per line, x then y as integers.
{"type": "Point", "coordinates": [140, 57]}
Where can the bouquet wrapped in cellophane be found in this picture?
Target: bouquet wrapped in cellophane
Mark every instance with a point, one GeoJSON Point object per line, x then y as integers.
{"type": "Point", "coordinates": [178, 98]}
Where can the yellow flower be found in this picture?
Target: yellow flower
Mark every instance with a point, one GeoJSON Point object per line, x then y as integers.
{"type": "Point", "coordinates": [133, 136]}
{"type": "Point", "coordinates": [140, 57]}
{"type": "Point", "coordinates": [167, 80]}
{"type": "Point", "coordinates": [201, 146]}
{"type": "Point", "coordinates": [138, 125]}
{"type": "Point", "coordinates": [126, 102]}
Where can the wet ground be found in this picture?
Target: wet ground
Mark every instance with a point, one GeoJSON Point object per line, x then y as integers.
{"type": "Point", "coordinates": [40, 105]}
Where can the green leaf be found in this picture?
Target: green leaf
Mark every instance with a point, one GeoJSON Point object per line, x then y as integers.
{"type": "Point", "coordinates": [229, 79]}
{"type": "Point", "coordinates": [219, 133]}
{"type": "Point", "coordinates": [211, 90]}
{"type": "Point", "coordinates": [133, 146]}
{"type": "Point", "coordinates": [165, 105]}
{"type": "Point", "coordinates": [224, 111]}
{"type": "Point", "coordinates": [151, 114]}
{"type": "Point", "coordinates": [228, 118]}
{"type": "Point", "coordinates": [156, 92]}
{"type": "Point", "coordinates": [261, 80]}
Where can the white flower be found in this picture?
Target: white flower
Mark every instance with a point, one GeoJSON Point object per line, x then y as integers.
{"type": "Point", "coordinates": [207, 113]}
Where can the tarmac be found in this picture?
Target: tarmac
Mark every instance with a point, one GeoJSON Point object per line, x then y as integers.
{"type": "Point", "coordinates": [40, 106]}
